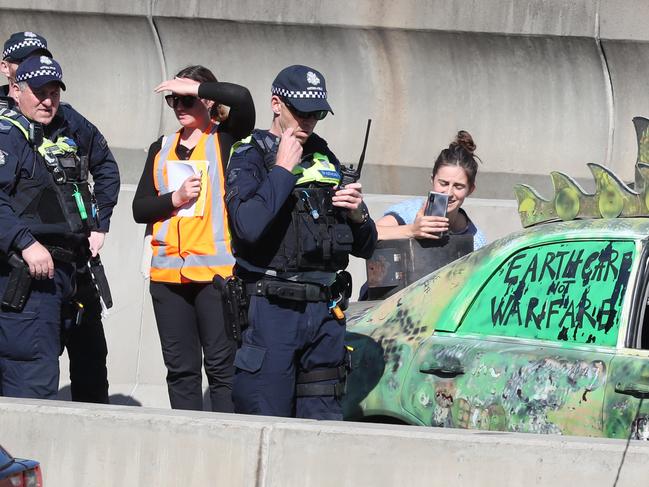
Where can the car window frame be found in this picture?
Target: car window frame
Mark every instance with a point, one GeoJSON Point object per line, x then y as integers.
{"type": "Point", "coordinates": [639, 301]}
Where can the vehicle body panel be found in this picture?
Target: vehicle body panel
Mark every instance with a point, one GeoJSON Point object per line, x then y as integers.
{"type": "Point", "coordinates": [517, 374]}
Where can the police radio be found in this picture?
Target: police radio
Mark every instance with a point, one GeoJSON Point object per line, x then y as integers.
{"type": "Point", "coordinates": [35, 134]}
{"type": "Point", "coordinates": [349, 174]}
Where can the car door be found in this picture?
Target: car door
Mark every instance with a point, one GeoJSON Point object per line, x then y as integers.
{"type": "Point", "coordinates": [626, 405]}
{"type": "Point", "coordinates": [533, 350]}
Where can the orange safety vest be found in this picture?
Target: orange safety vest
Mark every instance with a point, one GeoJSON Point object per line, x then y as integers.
{"type": "Point", "coordinates": [196, 248]}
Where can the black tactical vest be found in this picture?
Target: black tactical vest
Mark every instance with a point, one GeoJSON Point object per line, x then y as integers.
{"type": "Point", "coordinates": [57, 202]}
{"type": "Point", "coordinates": [309, 233]}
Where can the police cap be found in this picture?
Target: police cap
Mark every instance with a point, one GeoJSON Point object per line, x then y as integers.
{"type": "Point", "coordinates": [22, 44]}
{"type": "Point", "coordinates": [303, 87]}
{"type": "Point", "coordinates": [38, 71]}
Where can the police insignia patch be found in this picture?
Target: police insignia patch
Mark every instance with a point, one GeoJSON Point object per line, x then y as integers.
{"type": "Point", "coordinates": [3, 159]}
{"type": "Point", "coordinates": [312, 78]}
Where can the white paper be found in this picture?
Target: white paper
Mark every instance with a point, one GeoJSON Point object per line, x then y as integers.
{"type": "Point", "coordinates": [178, 172]}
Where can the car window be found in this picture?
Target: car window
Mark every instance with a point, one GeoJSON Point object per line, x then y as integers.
{"type": "Point", "coordinates": [567, 292]}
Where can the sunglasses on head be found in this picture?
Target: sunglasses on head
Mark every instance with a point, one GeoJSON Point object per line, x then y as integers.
{"type": "Point", "coordinates": [318, 114]}
{"type": "Point", "coordinates": [187, 100]}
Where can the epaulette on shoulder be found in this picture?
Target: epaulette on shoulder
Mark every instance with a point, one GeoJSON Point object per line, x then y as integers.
{"type": "Point", "coordinates": [612, 197]}
{"type": "Point", "coordinates": [241, 148]}
{"type": "Point", "coordinates": [5, 127]}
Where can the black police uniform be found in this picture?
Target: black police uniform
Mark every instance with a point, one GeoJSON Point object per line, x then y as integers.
{"type": "Point", "coordinates": [288, 242]}
{"type": "Point", "coordinates": [86, 341]}
{"type": "Point", "coordinates": [34, 207]}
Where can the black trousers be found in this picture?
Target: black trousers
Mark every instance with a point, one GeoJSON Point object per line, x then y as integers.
{"type": "Point", "coordinates": [190, 320]}
{"type": "Point", "coordinates": [86, 344]}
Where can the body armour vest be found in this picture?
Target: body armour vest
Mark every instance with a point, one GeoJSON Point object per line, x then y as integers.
{"type": "Point", "coordinates": [57, 202]}
{"type": "Point", "coordinates": [309, 233]}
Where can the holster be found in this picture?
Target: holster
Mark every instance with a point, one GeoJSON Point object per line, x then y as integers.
{"type": "Point", "coordinates": [18, 285]}
{"type": "Point", "coordinates": [235, 303]}
{"type": "Point", "coordinates": [343, 288]}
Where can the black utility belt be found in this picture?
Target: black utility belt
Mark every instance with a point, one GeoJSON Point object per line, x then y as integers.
{"type": "Point", "coordinates": [293, 291]}
{"type": "Point", "coordinates": [61, 254]}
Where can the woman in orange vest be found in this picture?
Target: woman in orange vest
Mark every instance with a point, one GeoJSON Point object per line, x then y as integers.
{"type": "Point", "coordinates": [180, 197]}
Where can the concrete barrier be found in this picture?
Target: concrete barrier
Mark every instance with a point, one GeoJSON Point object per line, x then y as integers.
{"type": "Point", "coordinates": [108, 446]}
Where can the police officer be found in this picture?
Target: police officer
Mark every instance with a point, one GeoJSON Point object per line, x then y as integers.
{"type": "Point", "coordinates": [45, 214]}
{"type": "Point", "coordinates": [293, 228]}
{"type": "Point", "coordinates": [86, 343]}
{"type": "Point", "coordinates": [17, 48]}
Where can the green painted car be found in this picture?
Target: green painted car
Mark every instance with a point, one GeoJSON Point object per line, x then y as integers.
{"type": "Point", "coordinates": [544, 331]}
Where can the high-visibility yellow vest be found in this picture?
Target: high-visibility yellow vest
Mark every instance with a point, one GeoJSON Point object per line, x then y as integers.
{"type": "Point", "coordinates": [196, 248]}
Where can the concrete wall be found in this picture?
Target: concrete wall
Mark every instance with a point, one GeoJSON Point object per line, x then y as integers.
{"type": "Point", "coordinates": [109, 446]}
{"type": "Point", "coordinates": [541, 86]}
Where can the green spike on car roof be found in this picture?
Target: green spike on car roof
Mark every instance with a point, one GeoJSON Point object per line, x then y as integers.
{"type": "Point", "coordinates": [612, 197]}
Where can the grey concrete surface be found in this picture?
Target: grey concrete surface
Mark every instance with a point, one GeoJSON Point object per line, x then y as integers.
{"type": "Point", "coordinates": [541, 85]}
{"type": "Point", "coordinates": [109, 445]}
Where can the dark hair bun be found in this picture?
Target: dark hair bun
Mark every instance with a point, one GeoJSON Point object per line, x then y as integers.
{"type": "Point", "coordinates": [464, 139]}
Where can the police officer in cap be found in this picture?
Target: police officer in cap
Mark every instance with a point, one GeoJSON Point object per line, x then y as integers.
{"type": "Point", "coordinates": [17, 48]}
{"type": "Point", "coordinates": [293, 228]}
{"type": "Point", "coordinates": [45, 214]}
{"type": "Point", "coordinates": [86, 343]}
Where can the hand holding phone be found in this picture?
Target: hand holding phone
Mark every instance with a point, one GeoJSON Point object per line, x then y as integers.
{"type": "Point", "coordinates": [436, 204]}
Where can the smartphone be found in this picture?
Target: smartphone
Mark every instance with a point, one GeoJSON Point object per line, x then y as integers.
{"type": "Point", "coordinates": [436, 204]}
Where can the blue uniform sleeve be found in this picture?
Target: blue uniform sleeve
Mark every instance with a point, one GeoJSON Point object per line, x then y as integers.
{"type": "Point", "coordinates": [102, 164]}
{"type": "Point", "coordinates": [254, 196]}
{"type": "Point", "coordinates": [16, 158]}
{"type": "Point", "coordinates": [365, 237]}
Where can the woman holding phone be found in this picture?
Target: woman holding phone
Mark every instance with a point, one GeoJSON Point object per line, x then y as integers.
{"type": "Point", "coordinates": [190, 236]}
{"type": "Point", "coordinates": [453, 174]}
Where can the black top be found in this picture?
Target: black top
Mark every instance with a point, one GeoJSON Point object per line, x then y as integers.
{"type": "Point", "coordinates": [148, 206]}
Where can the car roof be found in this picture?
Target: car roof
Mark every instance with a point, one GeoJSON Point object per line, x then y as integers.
{"type": "Point", "coordinates": [626, 228]}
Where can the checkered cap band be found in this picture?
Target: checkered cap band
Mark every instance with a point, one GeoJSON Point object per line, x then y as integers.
{"type": "Point", "coordinates": [25, 43]}
{"type": "Point", "coordinates": [298, 94]}
{"type": "Point", "coordinates": [43, 71]}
